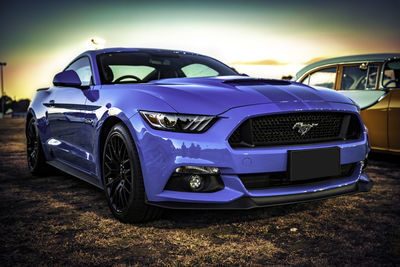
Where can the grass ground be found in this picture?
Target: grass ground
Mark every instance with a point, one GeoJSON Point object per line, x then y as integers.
{"type": "Point", "coordinates": [60, 220]}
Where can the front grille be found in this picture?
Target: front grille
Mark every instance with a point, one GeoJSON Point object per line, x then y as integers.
{"type": "Point", "coordinates": [281, 179]}
{"type": "Point", "coordinates": [274, 130]}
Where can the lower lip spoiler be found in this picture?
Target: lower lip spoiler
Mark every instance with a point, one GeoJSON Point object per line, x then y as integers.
{"type": "Point", "coordinates": [257, 202]}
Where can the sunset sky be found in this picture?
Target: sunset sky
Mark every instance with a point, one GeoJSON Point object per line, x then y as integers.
{"type": "Point", "coordinates": [260, 38]}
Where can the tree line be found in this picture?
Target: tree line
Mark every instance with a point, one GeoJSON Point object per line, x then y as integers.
{"type": "Point", "coordinates": [16, 106]}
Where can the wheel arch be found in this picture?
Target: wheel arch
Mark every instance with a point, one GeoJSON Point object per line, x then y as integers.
{"type": "Point", "coordinates": [29, 116]}
{"type": "Point", "coordinates": [105, 128]}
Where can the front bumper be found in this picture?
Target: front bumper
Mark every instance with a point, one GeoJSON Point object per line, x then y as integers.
{"type": "Point", "coordinates": [363, 185]}
{"type": "Point", "coordinates": [161, 152]}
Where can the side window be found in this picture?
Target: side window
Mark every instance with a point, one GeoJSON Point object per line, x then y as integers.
{"type": "Point", "coordinates": [360, 77]}
{"type": "Point", "coordinates": [323, 78]}
{"type": "Point", "coordinates": [391, 74]}
{"type": "Point", "coordinates": [198, 70]}
{"type": "Point", "coordinates": [82, 68]}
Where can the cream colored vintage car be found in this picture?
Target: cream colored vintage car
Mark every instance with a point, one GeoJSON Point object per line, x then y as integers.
{"type": "Point", "coordinates": [373, 82]}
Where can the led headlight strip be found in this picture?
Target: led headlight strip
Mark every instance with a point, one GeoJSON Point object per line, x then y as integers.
{"type": "Point", "coordinates": [178, 122]}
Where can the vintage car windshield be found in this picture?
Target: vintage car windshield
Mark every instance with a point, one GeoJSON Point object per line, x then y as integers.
{"type": "Point", "coordinates": [142, 67]}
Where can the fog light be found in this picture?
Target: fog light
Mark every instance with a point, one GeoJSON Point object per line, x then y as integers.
{"type": "Point", "coordinates": [199, 179]}
{"type": "Point", "coordinates": [196, 182]}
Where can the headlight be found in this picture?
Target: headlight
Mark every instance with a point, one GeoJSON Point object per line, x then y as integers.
{"type": "Point", "coordinates": [178, 122]}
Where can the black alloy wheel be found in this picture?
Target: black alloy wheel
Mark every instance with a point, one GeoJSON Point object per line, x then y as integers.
{"type": "Point", "coordinates": [117, 173]}
{"type": "Point", "coordinates": [122, 178]}
{"type": "Point", "coordinates": [35, 156]}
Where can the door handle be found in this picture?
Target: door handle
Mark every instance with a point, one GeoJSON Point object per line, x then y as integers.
{"type": "Point", "coordinates": [89, 121]}
{"type": "Point", "coordinates": [51, 104]}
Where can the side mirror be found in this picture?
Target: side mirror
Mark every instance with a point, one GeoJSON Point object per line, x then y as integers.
{"type": "Point", "coordinates": [67, 78]}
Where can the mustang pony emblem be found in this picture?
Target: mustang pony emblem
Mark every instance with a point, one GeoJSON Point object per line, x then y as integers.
{"type": "Point", "coordinates": [303, 127]}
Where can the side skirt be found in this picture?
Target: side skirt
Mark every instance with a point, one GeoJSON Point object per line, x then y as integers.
{"type": "Point", "coordinates": [77, 173]}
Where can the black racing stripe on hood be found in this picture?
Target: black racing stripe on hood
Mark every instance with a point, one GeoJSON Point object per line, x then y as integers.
{"type": "Point", "coordinates": [309, 94]}
{"type": "Point", "coordinates": [273, 94]}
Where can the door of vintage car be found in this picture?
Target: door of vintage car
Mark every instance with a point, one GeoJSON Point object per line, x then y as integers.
{"type": "Point", "coordinates": [66, 115]}
{"type": "Point", "coordinates": [391, 83]}
{"type": "Point", "coordinates": [394, 120]}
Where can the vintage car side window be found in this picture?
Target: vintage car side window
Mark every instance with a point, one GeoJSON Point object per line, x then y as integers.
{"type": "Point", "coordinates": [125, 70]}
{"type": "Point", "coordinates": [323, 78]}
{"type": "Point", "coordinates": [83, 69]}
{"type": "Point", "coordinates": [360, 77]}
{"type": "Point", "coordinates": [391, 74]}
{"type": "Point", "coordinates": [198, 70]}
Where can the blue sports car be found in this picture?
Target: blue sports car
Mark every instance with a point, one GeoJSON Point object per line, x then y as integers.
{"type": "Point", "coordinates": [171, 129]}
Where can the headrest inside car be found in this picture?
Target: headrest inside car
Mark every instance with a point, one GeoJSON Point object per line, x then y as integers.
{"type": "Point", "coordinates": [108, 74]}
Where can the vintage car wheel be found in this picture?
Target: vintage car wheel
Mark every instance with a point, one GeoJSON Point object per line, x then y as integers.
{"type": "Point", "coordinates": [122, 178]}
{"type": "Point", "coordinates": [34, 151]}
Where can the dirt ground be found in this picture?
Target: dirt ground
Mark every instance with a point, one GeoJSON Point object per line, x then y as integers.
{"type": "Point", "coordinates": [60, 220]}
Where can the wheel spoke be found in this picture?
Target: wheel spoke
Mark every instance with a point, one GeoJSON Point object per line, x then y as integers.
{"type": "Point", "coordinates": [125, 161]}
{"type": "Point", "coordinates": [113, 181]}
{"type": "Point", "coordinates": [106, 174]}
{"type": "Point", "coordinates": [126, 189]}
{"type": "Point", "coordinates": [124, 196]}
{"type": "Point", "coordinates": [121, 148]}
{"type": "Point", "coordinates": [108, 157]}
{"type": "Point", "coordinates": [123, 156]}
{"type": "Point", "coordinates": [110, 152]}
{"type": "Point", "coordinates": [114, 148]}
{"type": "Point", "coordinates": [109, 168]}
{"type": "Point", "coordinates": [126, 176]}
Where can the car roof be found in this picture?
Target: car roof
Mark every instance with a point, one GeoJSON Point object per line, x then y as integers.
{"type": "Point", "coordinates": [347, 59]}
{"type": "Point", "coordinates": [148, 50]}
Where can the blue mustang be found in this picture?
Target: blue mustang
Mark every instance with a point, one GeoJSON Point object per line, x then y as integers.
{"type": "Point", "coordinates": [170, 129]}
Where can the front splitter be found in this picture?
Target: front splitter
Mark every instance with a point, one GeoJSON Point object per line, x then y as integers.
{"type": "Point", "coordinates": [244, 203]}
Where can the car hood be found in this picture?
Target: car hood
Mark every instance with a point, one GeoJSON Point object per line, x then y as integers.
{"type": "Point", "coordinates": [215, 95]}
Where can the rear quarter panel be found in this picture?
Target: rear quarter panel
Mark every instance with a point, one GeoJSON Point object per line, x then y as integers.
{"type": "Point", "coordinates": [39, 112]}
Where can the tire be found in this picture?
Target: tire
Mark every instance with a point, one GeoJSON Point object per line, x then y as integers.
{"type": "Point", "coordinates": [122, 178]}
{"type": "Point", "coordinates": [35, 155]}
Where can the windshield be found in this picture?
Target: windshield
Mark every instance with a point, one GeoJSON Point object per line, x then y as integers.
{"type": "Point", "coordinates": [142, 67]}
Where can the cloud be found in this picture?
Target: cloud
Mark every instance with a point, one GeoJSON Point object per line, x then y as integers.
{"type": "Point", "coordinates": [272, 62]}
{"type": "Point", "coordinates": [316, 59]}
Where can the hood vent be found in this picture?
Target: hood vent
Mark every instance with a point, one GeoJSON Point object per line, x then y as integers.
{"type": "Point", "coordinates": [250, 82]}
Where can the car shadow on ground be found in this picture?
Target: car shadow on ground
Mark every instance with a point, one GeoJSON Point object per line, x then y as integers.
{"type": "Point", "coordinates": [71, 191]}
{"type": "Point", "coordinates": [384, 158]}
{"type": "Point", "coordinates": [79, 195]}
{"type": "Point", "coordinates": [192, 219]}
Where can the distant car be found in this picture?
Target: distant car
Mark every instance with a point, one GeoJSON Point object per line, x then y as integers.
{"type": "Point", "coordinates": [170, 129]}
{"type": "Point", "coordinates": [373, 82]}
